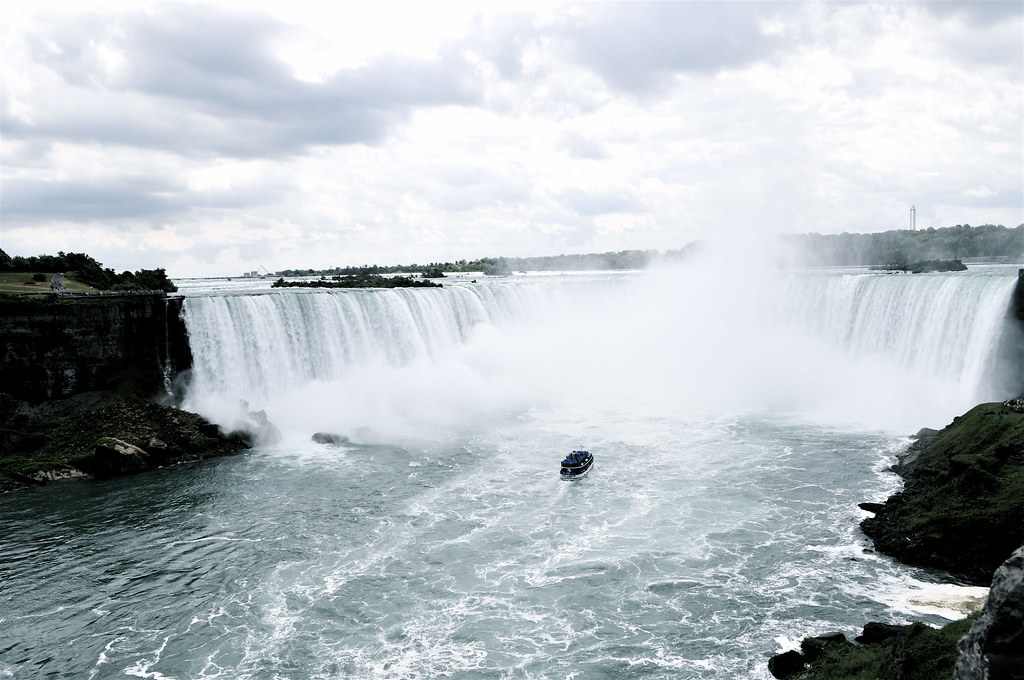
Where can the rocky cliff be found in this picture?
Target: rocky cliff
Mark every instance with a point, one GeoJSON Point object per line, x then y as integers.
{"type": "Point", "coordinates": [78, 379]}
{"type": "Point", "coordinates": [56, 347]}
{"type": "Point", "coordinates": [994, 647]}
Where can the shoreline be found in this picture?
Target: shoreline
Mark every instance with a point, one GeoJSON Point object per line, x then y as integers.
{"type": "Point", "coordinates": [960, 514]}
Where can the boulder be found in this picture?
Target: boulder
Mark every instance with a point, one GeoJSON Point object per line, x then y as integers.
{"type": "Point", "coordinates": [115, 457]}
{"type": "Point", "coordinates": [993, 648]}
{"type": "Point", "coordinates": [787, 664]}
{"type": "Point", "coordinates": [329, 438]}
{"type": "Point", "coordinates": [875, 632]}
{"type": "Point", "coordinates": [161, 451]}
{"type": "Point", "coordinates": [813, 648]}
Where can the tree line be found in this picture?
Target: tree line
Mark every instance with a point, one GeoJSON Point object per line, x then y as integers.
{"type": "Point", "coordinates": [85, 269]}
{"type": "Point", "coordinates": [497, 266]}
{"type": "Point", "coordinates": [903, 247]}
{"type": "Point", "coordinates": [895, 248]}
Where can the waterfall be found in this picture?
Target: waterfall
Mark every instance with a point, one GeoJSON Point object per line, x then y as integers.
{"type": "Point", "coordinates": [948, 327]}
{"type": "Point", "coordinates": [885, 350]}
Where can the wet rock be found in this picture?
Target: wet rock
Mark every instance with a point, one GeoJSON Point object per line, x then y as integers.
{"type": "Point", "coordinates": [328, 437]}
{"type": "Point", "coordinates": [161, 451]}
{"type": "Point", "coordinates": [993, 649]}
{"type": "Point", "coordinates": [114, 457]}
{"type": "Point", "coordinates": [786, 665]}
{"type": "Point", "coordinates": [875, 632]}
{"type": "Point", "coordinates": [814, 647]}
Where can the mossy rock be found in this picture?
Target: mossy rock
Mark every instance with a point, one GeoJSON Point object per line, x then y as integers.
{"type": "Point", "coordinates": [962, 508]}
{"type": "Point", "coordinates": [912, 652]}
{"type": "Point", "coordinates": [59, 444]}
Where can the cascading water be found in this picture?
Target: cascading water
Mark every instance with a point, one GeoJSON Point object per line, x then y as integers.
{"type": "Point", "coordinates": [351, 357]}
{"type": "Point", "coordinates": [736, 416]}
{"type": "Point", "coordinates": [946, 326]}
{"type": "Point", "coordinates": [881, 349]}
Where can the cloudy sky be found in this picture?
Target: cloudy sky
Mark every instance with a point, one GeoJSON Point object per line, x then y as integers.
{"type": "Point", "coordinates": [211, 138]}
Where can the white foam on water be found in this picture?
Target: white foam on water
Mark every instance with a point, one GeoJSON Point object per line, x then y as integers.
{"type": "Point", "coordinates": [948, 600]}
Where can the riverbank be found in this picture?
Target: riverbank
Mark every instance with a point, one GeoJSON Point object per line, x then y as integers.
{"type": "Point", "coordinates": [961, 512]}
{"type": "Point", "coordinates": [962, 506]}
{"type": "Point", "coordinates": [101, 434]}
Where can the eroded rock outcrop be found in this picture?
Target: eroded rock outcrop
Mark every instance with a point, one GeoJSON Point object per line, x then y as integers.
{"type": "Point", "coordinates": [962, 506]}
{"type": "Point", "coordinates": [113, 458]}
{"type": "Point", "coordinates": [994, 647]}
{"type": "Point", "coordinates": [110, 435]}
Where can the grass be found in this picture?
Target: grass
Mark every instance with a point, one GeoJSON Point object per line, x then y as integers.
{"type": "Point", "coordinates": [962, 509]}
{"type": "Point", "coordinates": [918, 652]}
{"type": "Point", "coordinates": [21, 283]}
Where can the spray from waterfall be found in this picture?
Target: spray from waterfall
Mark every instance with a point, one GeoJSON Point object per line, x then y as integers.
{"type": "Point", "coordinates": [710, 336]}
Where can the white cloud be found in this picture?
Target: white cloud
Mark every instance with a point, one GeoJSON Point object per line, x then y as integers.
{"type": "Point", "coordinates": [212, 138]}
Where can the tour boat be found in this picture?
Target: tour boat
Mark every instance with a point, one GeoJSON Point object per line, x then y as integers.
{"type": "Point", "coordinates": [577, 464]}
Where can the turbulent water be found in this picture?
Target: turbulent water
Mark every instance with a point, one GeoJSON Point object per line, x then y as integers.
{"type": "Point", "coordinates": [736, 422]}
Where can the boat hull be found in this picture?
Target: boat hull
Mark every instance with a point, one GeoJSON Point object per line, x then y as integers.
{"type": "Point", "coordinates": [571, 474]}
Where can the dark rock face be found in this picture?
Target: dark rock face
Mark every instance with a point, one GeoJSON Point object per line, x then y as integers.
{"type": "Point", "coordinates": [994, 647]}
{"type": "Point", "coordinates": [114, 458]}
{"type": "Point", "coordinates": [121, 433]}
{"type": "Point", "coordinates": [875, 632]}
{"type": "Point", "coordinates": [77, 379]}
{"type": "Point", "coordinates": [54, 348]}
{"type": "Point", "coordinates": [786, 665]}
{"type": "Point", "coordinates": [1018, 296]}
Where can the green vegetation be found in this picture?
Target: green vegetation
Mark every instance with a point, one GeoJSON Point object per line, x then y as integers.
{"type": "Point", "coordinates": [925, 266]}
{"type": "Point", "coordinates": [21, 283]}
{"type": "Point", "coordinates": [913, 652]}
{"type": "Point", "coordinates": [503, 266]}
{"type": "Point", "coordinates": [962, 507]}
{"type": "Point", "coordinates": [899, 247]}
{"type": "Point", "coordinates": [920, 250]}
{"type": "Point", "coordinates": [79, 271]}
{"type": "Point", "coordinates": [362, 281]}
